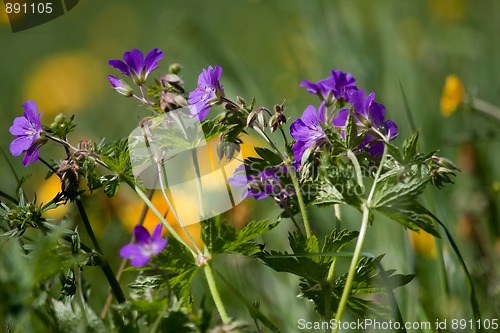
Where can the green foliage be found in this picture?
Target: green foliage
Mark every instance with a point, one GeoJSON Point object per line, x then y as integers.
{"type": "Point", "coordinates": [221, 237]}
{"type": "Point", "coordinates": [116, 157]}
{"type": "Point", "coordinates": [312, 264]}
{"type": "Point", "coordinates": [179, 268]}
{"type": "Point", "coordinates": [306, 259]}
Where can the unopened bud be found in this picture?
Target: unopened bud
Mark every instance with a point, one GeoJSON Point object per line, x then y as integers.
{"type": "Point", "coordinates": [120, 86]}
{"type": "Point", "coordinates": [175, 68]}
{"type": "Point", "coordinates": [241, 100]}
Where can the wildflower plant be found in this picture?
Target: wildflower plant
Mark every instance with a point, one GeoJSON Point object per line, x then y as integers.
{"type": "Point", "coordinates": [339, 152]}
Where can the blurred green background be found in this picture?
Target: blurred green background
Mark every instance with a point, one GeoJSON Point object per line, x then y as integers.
{"type": "Point", "coordinates": [266, 48]}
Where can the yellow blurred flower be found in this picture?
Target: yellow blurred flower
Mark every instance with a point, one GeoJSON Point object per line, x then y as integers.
{"type": "Point", "coordinates": [65, 82]}
{"type": "Point", "coordinates": [423, 243]}
{"type": "Point", "coordinates": [46, 192]}
{"type": "Point", "coordinates": [447, 10]}
{"type": "Point", "coordinates": [453, 94]}
{"type": "Point", "coordinates": [4, 19]}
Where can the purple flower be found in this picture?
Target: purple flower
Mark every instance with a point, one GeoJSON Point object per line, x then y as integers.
{"type": "Point", "coordinates": [120, 86]}
{"type": "Point", "coordinates": [307, 130]}
{"type": "Point", "coordinates": [208, 90]}
{"type": "Point", "coordinates": [145, 247]}
{"type": "Point", "coordinates": [28, 130]}
{"type": "Point", "coordinates": [262, 184]}
{"type": "Point", "coordinates": [370, 115]}
{"type": "Point", "coordinates": [332, 88]}
{"type": "Point", "coordinates": [136, 66]}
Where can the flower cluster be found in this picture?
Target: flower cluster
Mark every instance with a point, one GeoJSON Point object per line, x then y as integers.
{"type": "Point", "coordinates": [339, 92]}
{"type": "Point", "coordinates": [263, 184]}
{"type": "Point", "coordinates": [207, 92]}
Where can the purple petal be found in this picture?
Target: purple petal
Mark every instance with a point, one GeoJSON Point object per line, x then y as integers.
{"type": "Point", "coordinates": [310, 116]}
{"type": "Point", "coordinates": [158, 246]}
{"type": "Point", "coordinates": [31, 112]}
{"type": "Point", "coordinates": [121, 66]}
{"type": "Point", "coordinates": [135, 253]}
{"type": "Point", "coordinates": [135, 61]}
{"type": "Point", "coordinates": [321, 112]}
{"type": "Point", "coordinates": [360, 103]}
{"type": "Point", "coordinates": [141, 234]}
{"type": "Point", "coordinates": [21, 126]}
{"type": "Point", "coordinates": [152, 58]}
{"type": "Point", "coordinates": [341, 118]}
{"type": "Point", "coordinates": [115, 82]}
{"type": "Point", "coordinates": [391, 128]}
{"type": "Point", "coordinates": [298, 149]}
{"type": "Point", "coordinates": [311, 87]}
{"type": "Point", "coordinates": [377, 113]}
{"type": "Point", "coordinates": [30, 157]}
{"type": "Point", "coordinates": [20, 144]}
{"type": "Point", "coordinates": [377, 148]}
{"type": "Point", "coordinates": [157, 233]}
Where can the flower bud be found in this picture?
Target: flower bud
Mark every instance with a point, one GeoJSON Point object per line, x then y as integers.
{"type": "Point", "coordinates": [60, 118]}
{"type": "Point", "coordinates": [120, 86]}
{"type": "Point", "coordinates": [175, 68]}
{"type": "Point", "coordinates": [241, 100]}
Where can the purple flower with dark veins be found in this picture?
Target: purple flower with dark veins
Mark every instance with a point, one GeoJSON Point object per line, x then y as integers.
{"type": "Point", "coordinates": [136, 66]}
{"type": "Point", "coordinates": [208, 90]}
{"type": "Point", "coordinates": [28, 130]}
{"type": "Point", "coordinates": [307, 130]}
{"type": "Point", "coordinates": [335, 87]}
{"type": "Point", "coordinates": [145, 247]}
{"type": "Point", "coordinates": [371, 115]}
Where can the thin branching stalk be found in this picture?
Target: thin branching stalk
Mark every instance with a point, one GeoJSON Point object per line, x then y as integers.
{"type": "Point", "coordinates": [162, 219]}
{"type": "Point", "coordinates": [108, 272]}
{"type": "Point", "coordinates": [359, 244]}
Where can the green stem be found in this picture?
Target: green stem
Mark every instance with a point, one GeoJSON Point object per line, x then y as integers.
{"type": "Point", "coordinates": [300, 199]}
{"type": "Point", "coordinates": [357, 169]}
{"type": "Point", "coordinates": [161, 218]}
{"type": "Point", "coordinates": [108, 272]}
{"type": "Point", "coordinates": [485, 107]}
{"type": "Point", "coordinates": [209, 274]}
{"type": "Point", "coordinates": [359, 244]}
{"type": "Point", "coordinates": [352, 269]}
{"type": "Point", "coordinates": [336, 207]}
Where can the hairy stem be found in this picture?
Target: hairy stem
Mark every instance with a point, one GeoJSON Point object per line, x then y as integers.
{"type": "Point", "coordinates": [300, 198]}
{"type": "Point", "coordinates": [209, 274]}
{"type": "Point", "coordinates": [161, 218]}
{"type": "Point", "coordinates": [359, 244]}
{"type": "Point", "coordinates": [108, 272]}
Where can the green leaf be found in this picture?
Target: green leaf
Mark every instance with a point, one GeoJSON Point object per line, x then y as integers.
{"type": "Point", "coordinates": [328, 195]}
{"type": "Point", "coordinates": [410, 147]}
{"type": "Point", "coordinates": [221, 237]}
{"type": "Point", "coordinates": [310, 263]}
{"type": "Point", "coordinates": [369, 279]}
{"type": "Point", "coordinates": [179, 266]}
{"type": "Point", "coordinates": [268, 155]}
{"type": "Point", "coordinates": [71, 318]}
{"type": "Point", "coordinates": [410, 214]}
{"type": "Point", "coordinates": [351, 130]}
{"type": "Point", "coordinates": [252, 307]}
{"type": "Point", "coordinates": [391, 189]}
